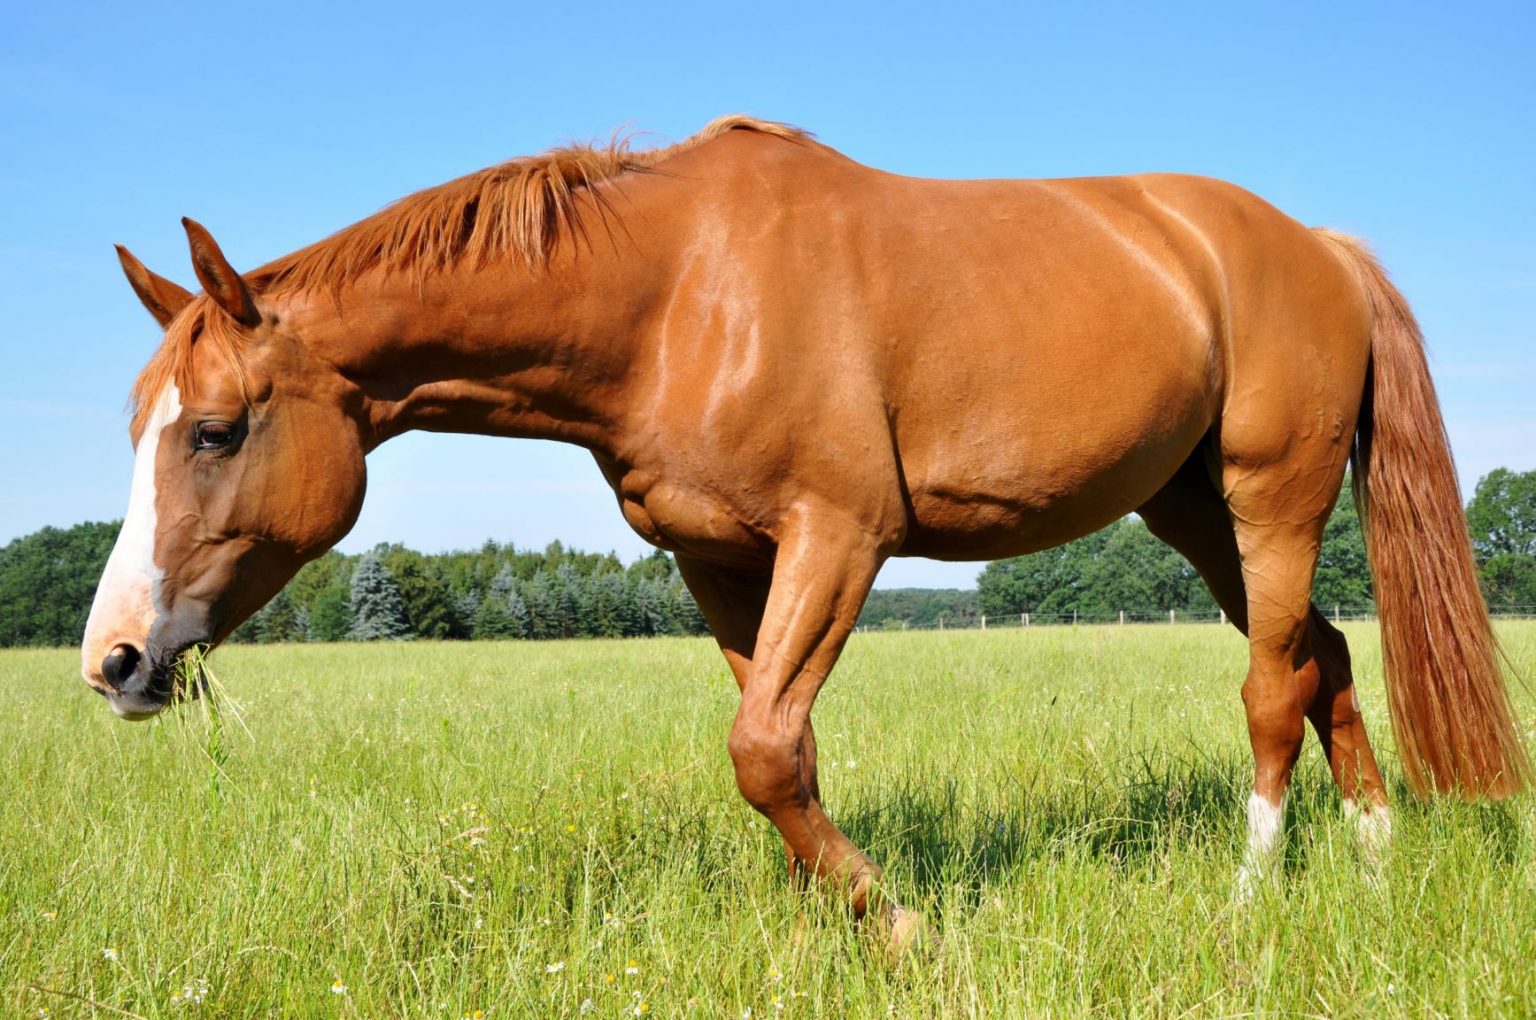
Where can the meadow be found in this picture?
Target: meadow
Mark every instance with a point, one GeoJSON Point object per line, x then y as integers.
{"type": "Point", "coordinates": [552, 829]}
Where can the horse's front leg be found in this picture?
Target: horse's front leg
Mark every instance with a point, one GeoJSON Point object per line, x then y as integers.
{"type": "Point", "coordinates": [821, 575]}
{"type": "Point", "coordinates": [733, 604]}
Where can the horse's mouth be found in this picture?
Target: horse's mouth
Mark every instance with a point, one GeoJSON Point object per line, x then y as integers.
{"type": "Point", "coordinates": [158, 683]}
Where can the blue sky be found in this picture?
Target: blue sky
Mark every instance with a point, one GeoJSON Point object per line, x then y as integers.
{"type": "Point", "coordinates": [274, 125]}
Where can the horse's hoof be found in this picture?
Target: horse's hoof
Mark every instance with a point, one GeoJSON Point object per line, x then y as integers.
{"type": "Point", "coordinates": [906, 932]}
{"type": "Point", "coordinates": [898, 930]}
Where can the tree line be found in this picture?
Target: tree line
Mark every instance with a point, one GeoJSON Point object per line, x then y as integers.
{"type": "Point", "coordinates": [48, 578]}
{"type": "Point", "coordinates": [1124, 567]}
{"type": "Point", "coordinates": [494, 592]}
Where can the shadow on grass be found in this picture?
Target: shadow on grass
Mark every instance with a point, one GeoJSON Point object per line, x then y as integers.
{"type": "Point", "coordinates": [938, 837]}
{"type": "Point", "coordinates": [1141, 809]}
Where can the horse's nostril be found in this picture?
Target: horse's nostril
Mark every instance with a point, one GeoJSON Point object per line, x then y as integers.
{"type": "Point", "coordinates": [119, 665]}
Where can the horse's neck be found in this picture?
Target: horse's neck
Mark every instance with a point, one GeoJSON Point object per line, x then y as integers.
{"type": "Point", "coordinates": [497, 351]}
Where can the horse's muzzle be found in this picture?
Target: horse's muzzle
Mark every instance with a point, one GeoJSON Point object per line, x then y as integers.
{"type": "Point", "coordinates": [141, 682]}
{"type": "Point", "coordinates": [138, 689]}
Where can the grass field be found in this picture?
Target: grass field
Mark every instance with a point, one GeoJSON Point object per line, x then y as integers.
{"type": "Point", "coordinates": [552, 829]}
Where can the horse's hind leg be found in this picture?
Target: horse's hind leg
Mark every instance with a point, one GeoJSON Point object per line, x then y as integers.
{"type": "Point", "coordinates": [1191, 516]}
{"type": "Point", "coordinates": [1335, 715]}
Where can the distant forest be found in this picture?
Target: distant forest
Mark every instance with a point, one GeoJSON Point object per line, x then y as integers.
{"type": "Point", "coordinates": [47, 580]}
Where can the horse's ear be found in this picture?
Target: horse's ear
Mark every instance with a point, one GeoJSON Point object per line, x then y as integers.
{"type": "Point", "coordinates": [218, 277]}
{"type": "Point", "coordinates": [163, 298]}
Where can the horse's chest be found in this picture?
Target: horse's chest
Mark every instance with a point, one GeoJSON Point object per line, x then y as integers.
{"type": "Point", "coordinates": [687, 519]}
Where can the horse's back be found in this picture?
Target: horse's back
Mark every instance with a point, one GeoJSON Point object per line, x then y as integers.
{"type": "Point", "coordinates": [1041, 354]}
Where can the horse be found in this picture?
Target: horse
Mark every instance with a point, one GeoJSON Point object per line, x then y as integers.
{"type": "Point", "coordinates": [790, 367]}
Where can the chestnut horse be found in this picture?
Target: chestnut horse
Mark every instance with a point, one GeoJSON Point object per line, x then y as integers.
{"type": "Point", "coordinates": [790, 367]}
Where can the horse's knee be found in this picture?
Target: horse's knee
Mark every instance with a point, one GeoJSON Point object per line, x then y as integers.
{"type": "Point", "coordinates": [767, 762]}
{"type": "Point", "coordinates": [1273, 703]}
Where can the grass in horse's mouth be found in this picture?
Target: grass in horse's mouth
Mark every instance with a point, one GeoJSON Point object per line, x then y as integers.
{"type": "Point", "coordinates": [193, 679]}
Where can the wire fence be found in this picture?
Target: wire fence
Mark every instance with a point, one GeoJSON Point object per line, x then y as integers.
{"type": "Point", "coordinates": [1140, 617]}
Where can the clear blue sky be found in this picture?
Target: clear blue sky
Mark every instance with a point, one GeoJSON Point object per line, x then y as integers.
{"type": "Point", "coordinates": [1413, 125]}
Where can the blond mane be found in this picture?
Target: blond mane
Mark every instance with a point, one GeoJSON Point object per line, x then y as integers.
{"type": "Point", "coordinates": [521, 209]}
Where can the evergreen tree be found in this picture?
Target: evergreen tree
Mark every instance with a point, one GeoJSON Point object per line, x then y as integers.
{"type": "Point", "coordinates": [465, 607]}
{"type": "Point", "coordinates": [278, 621]}
{"type": "Point", "coordinates": [377, 609]}
{"type": "Point", "coordinates": [430, 608]}
{"type": "Point", "coordinates": [611, 607]}
{"type": "Point", "coordinates": [492, 622]}
{"type": "Point", "coordinates": [504, 584]}
{"type": "Point", "coordinates": [651, 609]}
{"type": "Point", "coordinates": [686, 615]}
{"type": "Point", "coordinates": [517, 612]}
{"type": "Point", "coordinates": [543, 607]}
{"type": "Point", "coordinates": [317, 576]}
{"type": "Point", "coordinates": [330, 615]}
{"type": "Point", "coordinates": [574, 604]}
{"type": "Point", "coordinates": [47, 580]}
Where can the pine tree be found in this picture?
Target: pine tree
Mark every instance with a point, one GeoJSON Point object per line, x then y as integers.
{"type": "Point", "coordinates": [492, 622]}
{"type": "Point", "coordinates": [377, 610]}
{"type": "Point", "coordinates": [331, 617]}
{"type": "Point", "coordinates": [278, 621]}
{"type": "Point", "coordinates": [466, 606]}
{"type": "Point", "coordinates": [686, 615]}
{"type": "Point", "coordinates": [614, 610]}
{"type": "Point", "coordinates": [650, 598]}
{"type": "Point", "coordinates": [504, 584]}
{"type": "Point", "coordinates": [517, 612]}
{"type": "Point", "coordinates": [571, 594]}
{"type": "Point", "coordinates": [543, 606]}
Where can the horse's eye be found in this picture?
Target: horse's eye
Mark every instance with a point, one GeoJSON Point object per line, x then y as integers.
{"type": "Point", "coordinates": [214, 435]}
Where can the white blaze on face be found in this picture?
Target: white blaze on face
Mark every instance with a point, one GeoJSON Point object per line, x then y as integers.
{"type": "Point", "coordinates": [128, 597]}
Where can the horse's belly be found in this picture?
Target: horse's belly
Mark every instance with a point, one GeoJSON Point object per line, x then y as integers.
{"type": "Point", "coordinates": [1045, 483]}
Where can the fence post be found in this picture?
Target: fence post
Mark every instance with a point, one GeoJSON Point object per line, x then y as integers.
{"type": "Point", "coordinates": [941, 623]}
{"type": "Point", "coordinates": [1122, 617]}
{"type": "Point", "coordinates": [903, 624]}
{"type": "Point", "coordinates": [983, 621]}
{"type": "Point", "coordinates": [1335, 614]}
{"type": "Point", "coordinates": [1024, 618]}
{"type": "Point", "coordinates": [1074, 617]}
{"type": "Point", "coordinates": [1223, 613]}
{"type": "Point", "coordinates": [1170, 616]}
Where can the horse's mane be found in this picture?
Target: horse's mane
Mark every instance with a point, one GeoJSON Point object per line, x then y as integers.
{"type": "Point", "coordinates": [520, 209]}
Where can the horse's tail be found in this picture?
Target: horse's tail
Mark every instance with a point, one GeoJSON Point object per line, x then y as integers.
{"type": "Point", "coordinates": [1450, 710]}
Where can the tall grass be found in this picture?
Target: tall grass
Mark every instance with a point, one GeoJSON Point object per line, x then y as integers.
{"type": "Point", "coordinates": [433, 829]}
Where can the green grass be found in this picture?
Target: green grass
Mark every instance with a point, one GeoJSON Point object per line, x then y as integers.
{"type": "Point", "coordinates": [512, 827]}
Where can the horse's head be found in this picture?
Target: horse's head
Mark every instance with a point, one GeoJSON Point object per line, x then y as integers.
{"type": "Point", "coordinates": [248, 462]}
